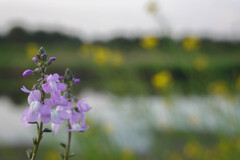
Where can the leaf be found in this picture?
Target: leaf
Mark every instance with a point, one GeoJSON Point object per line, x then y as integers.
{"type": "Point", "coordinates": [33, 122]}
{"type": "Point", "coordinates": [35, 141]}
{"type": "Point", "coordinates": [63, 145]}
{"type": "Point", "coordinates": [47, 130]}
{"type": "Point", "coordinates": [29, 153]}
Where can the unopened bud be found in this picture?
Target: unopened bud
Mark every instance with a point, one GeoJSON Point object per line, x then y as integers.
{"type": "Point", "coordinates": [27, 73]}
{"type": "Point", "coordinates": [35, 59]}
{"type": "Point", "coordinates": [76, 80]}
{"type": "Point", "coordinates": [61, 77]}
{"type": "Point", "coordinates": [51, 59]}
{"type": "Point", "coordinates": [43, 56]}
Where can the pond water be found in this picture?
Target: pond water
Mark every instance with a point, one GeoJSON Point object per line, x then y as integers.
{"type": "Point", "coordinates": [130, 121]}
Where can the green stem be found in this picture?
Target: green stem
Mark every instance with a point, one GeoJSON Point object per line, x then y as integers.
{"type": "Point", "coordinates": [38, 141]}
{"type": "Point", "coordinates": [40, 129]}
{"type": "Point", "coordinates": [69, 126]}
{"type": "Point", "coordinates": [68, 144]}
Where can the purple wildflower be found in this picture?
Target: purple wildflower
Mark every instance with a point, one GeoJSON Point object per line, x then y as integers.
{"type": "Point", "coordinates": [59, 113]}
{"type": "Point", "coordinates": [75, 126]}
{"type": "Point", "coordinates": [52, 86]}
{"type": "Point", "coordinates": [43, 56]}
{"type": "Point", "coordinates": [61, 77]}
{"type": "Point", "coordinates": [76, 80]}
{"type": "Point", "coordinates": [36, 109]}
{"type": "Point", "coordinates": [35, 59]}
{"type": "Point", "coordinates": [51, 59]}
{"type": "Point", "coordinates": [27, 72]}
{"type": "Point", "coordinates": [82, 108]}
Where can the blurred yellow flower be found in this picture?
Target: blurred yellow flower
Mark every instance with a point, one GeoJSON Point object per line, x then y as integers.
{"type": "Point", "coordinates": [190, 43]}
{"type": "Point", "coordinates": [201, 62]}
{"type": "Point", "coordinates": [192, 149]}
{"type": "Point", "coordinates": [238, 83]}
{"type": "Point", "coordinates": [152, 7]}
{"type": "Point", "coordinates": [218, 88]}
{"type": "Point", "coordinates": [175, 156]}
{"type": "Point", "coordinates": [116, 59]}
{"type": "Point", "coordinates": [31, 49]}
{"type": "Point", "coordinates": [162, 80]}
{"type": "Point", "coordinates": [127, 154]}
{"type": "Point", "coordinates": [149, 42]}
{"type": "Point", "coordinates": [108, 128]}
{"type": "Point", "coordinates": [51, 155]}
{"type": "Point", "coordinates": [100, 57]}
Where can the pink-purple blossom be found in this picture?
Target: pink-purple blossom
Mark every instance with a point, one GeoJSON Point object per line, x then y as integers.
{"type": "Point", "coordinates": [36, 110]}
{"type": "Point", "coordinates": [27, 72]}
{"type": "Point", "coordinates": [53, 85]}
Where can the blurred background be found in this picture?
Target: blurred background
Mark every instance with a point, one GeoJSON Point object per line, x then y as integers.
{"type": "Point", "coordinates": [162, 76]}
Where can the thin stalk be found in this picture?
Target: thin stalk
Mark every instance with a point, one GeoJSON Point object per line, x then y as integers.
{"type": "Point", "coordinates": [69, 126]}
{"type": "Point", "coordinates": [38, 141]}
{"type": "Point", "coordinates": [40, 129]}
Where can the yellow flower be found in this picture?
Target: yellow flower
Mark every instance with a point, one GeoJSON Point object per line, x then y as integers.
{"type": "Point", "coordinates": [149, 42]}
{"type": "Point", "coordinates": [175, 156]}
{"type": "Point", "coordinates": [52, 155]}
{"type": "Point", "coordinates": [31, 50]}
{"type": "Point", "coordinates": [116, 59]}
{"type": "Point", "coordinates": [152, 7]}
{"type": "Point", "coordinates": [238, 83]}
{"type": "Point", "coordinates": [218, 88]}
{"type": "Point", "coordinates": [162, 80]}
{"type": "Point", "coordinates": [190, 44]}
{"type": "Point", "coordinates": [127, 154]}
{"type": "Point", "coordinates": [192, 149]}
{"type": "Point", "coordinates": [200, 63]}
{"type": "Point", "coordinates": [100, 56]}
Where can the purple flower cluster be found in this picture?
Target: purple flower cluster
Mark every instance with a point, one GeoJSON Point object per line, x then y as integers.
{"type": "Point", "coordinates": [57, 108]}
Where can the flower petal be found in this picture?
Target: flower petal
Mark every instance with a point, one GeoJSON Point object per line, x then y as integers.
{"type": "Point", "coordinates": [46, 88]}
{"type": "Point", "coordinates": [61, 86]}
{"type": "Point", "coordinates": [34, 95]}
{"type": "Point", "coordinates": [24, 115]}
{"type": "Point", "coordinates": [55, 128]}
{"type": "Point", "coordinates": [24, 89]}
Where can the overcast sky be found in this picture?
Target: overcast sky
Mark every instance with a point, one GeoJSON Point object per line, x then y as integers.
{"type": "Point", "coordinates": [90, 18]}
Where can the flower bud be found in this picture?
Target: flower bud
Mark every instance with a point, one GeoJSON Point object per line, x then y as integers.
{"type": "Point", "coordinates": [27, 73]}
{"type": "Point", "coordinates": [51, 59]}
{"type": "Point", "coordinates": [35, 59]}
{"type": "Point", "coordinates": [61, 77]}
{"type": "Point", "coordinates": [76, 80]}
{"type": "Point", "coordinates": [43, 56]}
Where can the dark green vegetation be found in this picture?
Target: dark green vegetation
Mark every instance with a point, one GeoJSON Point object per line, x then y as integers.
{"type": "Point", "coordinates": [133, 76]}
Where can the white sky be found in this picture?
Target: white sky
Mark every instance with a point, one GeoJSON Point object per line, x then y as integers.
{"type": "Point", "coordinates": [90, 18]}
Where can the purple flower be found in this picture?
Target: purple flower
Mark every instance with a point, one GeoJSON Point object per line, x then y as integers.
{"type": "Point", "coordinates": [81, 114]}
{"type": "Point", "coordinates": [44, 55]}
{"type": "Point", "coordinates": [52, 86]}
{"type": "Point", "coordinates": [35, 59]}
{"type": "Point", "coordinates": [82, 106]}
{"type": "Point", "coordinates": [75, 126]}
{"type": "Point", "coordinates": [58, 113]}
{"type": "Point", "coordinates": [36, 109]}
{"type": "Point", "coordinates": [76, 80]}
{"type": "Point", "coordinates": [61, 77]}
{"type": "Point", "coordinates": [51, 59]}
{"type": "Point", "coordinates": [27, 72]}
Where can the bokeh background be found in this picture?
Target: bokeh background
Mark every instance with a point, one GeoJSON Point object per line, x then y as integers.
{"type": "Point", "coordinates": [162, 76]}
